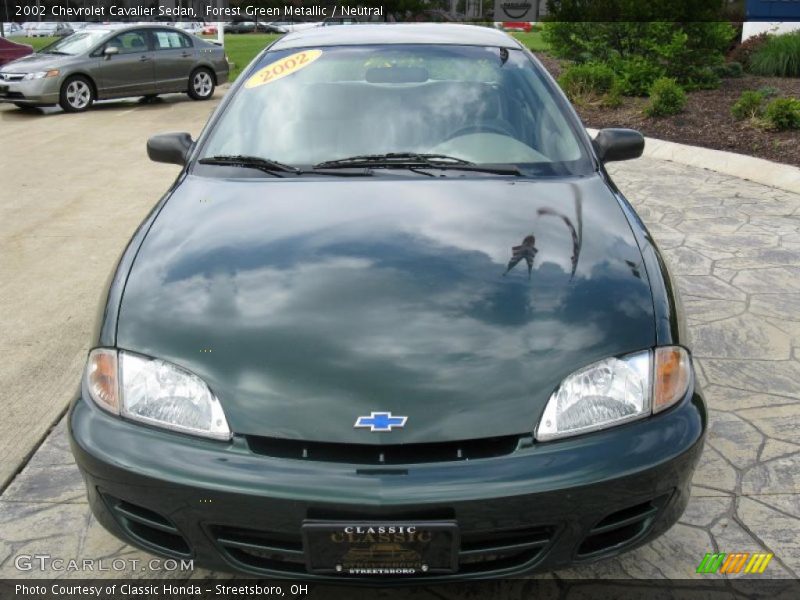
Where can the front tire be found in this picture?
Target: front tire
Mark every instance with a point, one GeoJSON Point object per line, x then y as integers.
{"type": "Point", "coordinates": [201, 84]}
{"type": "Point", "coordinates": [77, 94]}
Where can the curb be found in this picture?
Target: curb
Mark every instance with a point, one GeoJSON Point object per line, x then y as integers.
{"type": "Point", "coordinates": [758, 170]}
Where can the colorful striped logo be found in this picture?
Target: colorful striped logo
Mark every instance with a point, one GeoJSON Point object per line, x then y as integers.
{"type": "Point", "coordinates": [721, 562]}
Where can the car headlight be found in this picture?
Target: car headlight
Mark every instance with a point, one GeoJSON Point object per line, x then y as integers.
{"type": "Point", "coordinates": [154, 391]}
{"type": "Point", "coordinates": [614, 391]}
{"type": "Point", "coordinates": [41, 74]}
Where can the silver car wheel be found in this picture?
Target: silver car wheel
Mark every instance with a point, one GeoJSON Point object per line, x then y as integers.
{"type": "Point", "coordinates": [78, 94]}
{"type": "Point", "coordinates": [202, 84]}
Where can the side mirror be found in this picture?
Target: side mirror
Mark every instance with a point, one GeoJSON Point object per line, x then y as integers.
{"type": "Point", "coordinates": [618, 144]}
{"type": "Point", "coordinates": [172, 148]}
{"type": "Point", "coordinates": [110, 51]}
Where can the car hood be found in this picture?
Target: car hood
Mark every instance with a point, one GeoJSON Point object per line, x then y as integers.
{"type": "Point", "coordinates": [305, 303]}
{"type": "Point", "coordinates": [37, 62]}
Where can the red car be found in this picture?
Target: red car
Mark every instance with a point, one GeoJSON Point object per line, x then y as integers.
{"type": "Point", "coordinates": [210, 29]}
{"type": "Point", "coordinates": [525, 26]}
{"type": "Point", "coordinates": [12, 51]}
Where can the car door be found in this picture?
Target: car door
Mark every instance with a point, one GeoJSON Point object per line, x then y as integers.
{"type": "Point", "coordinates": [130, 72]}
{"type": "Point", "coordinates": [174, 56]}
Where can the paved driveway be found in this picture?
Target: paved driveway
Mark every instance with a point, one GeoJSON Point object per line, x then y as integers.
{"type": "Point", "coordinates": [80, 184]}
{"type": "Point", "coordinates": [73, 187]}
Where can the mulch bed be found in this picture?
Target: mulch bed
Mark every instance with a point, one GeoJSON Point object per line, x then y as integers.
{"type": "Point", "coordinates": [706, 120]}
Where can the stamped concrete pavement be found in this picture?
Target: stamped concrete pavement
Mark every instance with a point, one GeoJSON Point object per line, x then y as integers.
{"type": "Point", "coordinates": [73, 187]}
{"type": "Point", "coordinates": [733, 245]}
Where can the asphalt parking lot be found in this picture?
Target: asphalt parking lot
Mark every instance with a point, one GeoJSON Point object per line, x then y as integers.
{"type": "Point", "coordinates": [74, 187]}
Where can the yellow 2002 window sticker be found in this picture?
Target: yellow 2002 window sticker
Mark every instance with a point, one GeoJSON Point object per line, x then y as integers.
{"type": "Point", "coordinates": [283, 67]}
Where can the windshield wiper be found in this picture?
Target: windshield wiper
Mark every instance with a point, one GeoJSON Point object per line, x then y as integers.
{"type": "Point", "coordinates": [273, 167]}
{"type": "Point", "coordinates": [413, 160]}
{"type": "Point", "coordinates": [401, 158]}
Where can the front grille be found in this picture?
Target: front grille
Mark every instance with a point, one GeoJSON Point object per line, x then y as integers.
{"type": "Point", "coordinates": [261, 550]}
{"type": "Point", "coordinates": [621, 528]}
{"type": "Point", "coordinates": [148, 527]}
{"type": "Point", "coordinates": [11, 76]}
{"type": "Point", "coordinates": [395, 454]}
{"type": "Point", "coordinates": [502, 549]}
{"type": "Point", "coordinates": [480, 552]}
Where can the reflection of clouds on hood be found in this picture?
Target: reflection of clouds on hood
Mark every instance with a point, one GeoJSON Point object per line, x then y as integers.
{"type": "Point", "coordinates": [444, 211]}
{"type": "Point", "coordinates": [325, 293]}
{"type": "Point", "coordinates": [383, 316]}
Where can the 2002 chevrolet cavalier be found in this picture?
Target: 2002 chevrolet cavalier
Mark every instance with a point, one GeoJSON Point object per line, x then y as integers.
{"type": "Point", "coordinates": [392, 319]}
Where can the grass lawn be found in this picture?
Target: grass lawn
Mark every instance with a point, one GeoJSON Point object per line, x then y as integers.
{"type": "Point", "coordinates": [38, 43]}
{"type": "Point", "coordinates": [533, 41]}
{"type": "Point", "coordinates": [243, 47]}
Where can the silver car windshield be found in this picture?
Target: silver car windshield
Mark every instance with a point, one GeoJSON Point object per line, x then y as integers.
{"type": "Point", "coordinates": [77, 43]}
{"type": "Point", "coordinates": [485, 105]}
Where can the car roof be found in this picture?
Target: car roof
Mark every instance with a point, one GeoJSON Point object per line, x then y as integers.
{"type": "Point", "coordinates": [397, 33]}
{"type": "Point", "coordinates": [126, 26]}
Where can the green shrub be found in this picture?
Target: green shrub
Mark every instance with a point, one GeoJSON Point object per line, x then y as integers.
{"type": "Point", "coordinates": [734, 69]}
{"type": "Point", "coordinates": [666, 98]}
{"type": "Point", "coordinates": [580, 82]}
{"type": "Point", "coordinates": [749, 105]}
{"type": "Point", "coordinates": [778, 57]}
{"type": "Point", "coordinates": [744, 51]}
{"type": "Point", "coordinates": [768, 91]}
{"type": "Point", "coordinates": [783, 113]}
{"type": "Point", "coordinates": [703, 79]}
{"type": "Point", "coordinates": [729, 70]}
{"type": "Point", "coordinates": [613, 98]}
{"type": "Point", "coordinates": [637, 75]}
{"type": "Point", "coordinates": [681, 50]}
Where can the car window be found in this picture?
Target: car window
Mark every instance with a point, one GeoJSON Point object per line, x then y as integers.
{"type": "Point", "coordinates": [129, 42]}
{"type": "Point", "coordinates": [486, 105]}
{"type": "Point", "coordinates": [77, 43]}
{"type": "Point", "coordinates": [169, 40]}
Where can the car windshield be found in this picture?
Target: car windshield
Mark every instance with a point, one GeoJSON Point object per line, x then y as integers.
{"type": "Point", "coordinates": [77, 43]}
{"type": "Point", "coordinates": [485, 105]}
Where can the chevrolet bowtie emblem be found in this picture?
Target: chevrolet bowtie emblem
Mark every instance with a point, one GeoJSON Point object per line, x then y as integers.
{"type": "Point", "coordinates": [380, 421]}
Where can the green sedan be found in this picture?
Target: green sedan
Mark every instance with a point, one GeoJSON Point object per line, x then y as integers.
{"type": "Point", "coordinates": [392, 320]}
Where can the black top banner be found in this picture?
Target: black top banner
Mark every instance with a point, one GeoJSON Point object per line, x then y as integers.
{"type": "Point", "coordinates": [477, 11]}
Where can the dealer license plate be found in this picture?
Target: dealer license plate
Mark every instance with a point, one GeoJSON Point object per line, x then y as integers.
{"type": "Point", "coordinates": [381, 548]}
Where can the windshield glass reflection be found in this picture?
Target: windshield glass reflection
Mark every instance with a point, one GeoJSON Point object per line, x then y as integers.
{"type": "Point", "coordinates": [484, 105]}
{"type": "Point", "coordinates": [77, 43]}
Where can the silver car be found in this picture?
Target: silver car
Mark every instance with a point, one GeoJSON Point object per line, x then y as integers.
{"type": "Point", "coordinates": [193, 27]}
{"type": "Point", "coordinates": [49, 29]}
{"type": "Point", "coordinates": [12, 29]}
{"type": "Point", "coordinates": [98, 64]}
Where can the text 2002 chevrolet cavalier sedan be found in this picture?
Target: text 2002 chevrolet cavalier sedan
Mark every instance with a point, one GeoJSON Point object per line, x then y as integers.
{"type": "Point", "coordinates": [393, 319]}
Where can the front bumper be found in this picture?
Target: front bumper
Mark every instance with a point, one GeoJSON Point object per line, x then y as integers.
{"type": "Point", "coordinates": [34, 92]}
{"type": "Point", "coordinates": [543, 507]}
